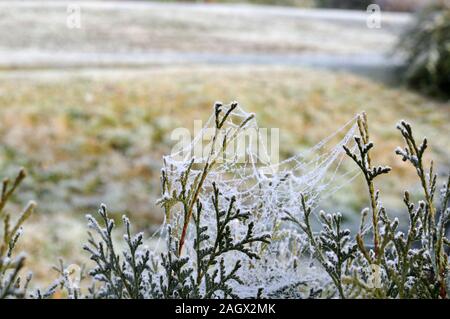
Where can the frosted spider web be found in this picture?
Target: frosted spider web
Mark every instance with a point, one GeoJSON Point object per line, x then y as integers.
{"type": "Point", "coordinates": [266, 189]}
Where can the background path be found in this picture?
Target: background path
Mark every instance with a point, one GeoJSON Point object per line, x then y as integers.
{"type": "Point", "coordinates": [34, 35]}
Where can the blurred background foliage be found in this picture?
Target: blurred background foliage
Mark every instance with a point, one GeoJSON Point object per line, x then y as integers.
{"type": "Point", "coordinates": [389, 5]}
{"type": "Point", "coordinates": [426, 45]}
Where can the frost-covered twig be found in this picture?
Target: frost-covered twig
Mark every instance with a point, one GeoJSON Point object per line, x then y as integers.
{"type": "Point", "coordinates": [413, 153]}
{"type": "Point", "coordinates": [189, 194]}
{"type": "Point", "coordinates": [121, 277]}
{"type": "Point", "coordinates": [363, 160]}
{"type": "Point", "coordinates": [10, 265]}
{"type": "Point", "coordinates": [332, 247]}
{"type": "Point", "coordinates": [409, 261]}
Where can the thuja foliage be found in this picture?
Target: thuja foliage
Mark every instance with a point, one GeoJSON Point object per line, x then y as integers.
{"type": "Point", "coordinates": [386, 259]}
{"type": "Point", "coordinates": [209, 277]}
{"type": "Point", "coordinates": [180, 190]}
{"type": "Point", "coordinates": [10, 262]}
{"type": "Point", "coordinates": [198, 268]}
{"type": "Point", "coordinates": [209, 240]}
{"type": "Point", "coordinates": [202, 269]}
{"type": "Point", "coordinates": [333, 245]}
{"type": "Point", "coordinates": [136, 272]}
